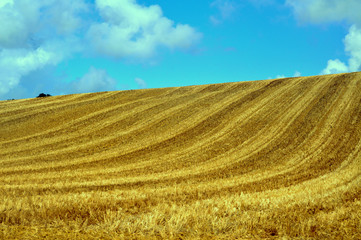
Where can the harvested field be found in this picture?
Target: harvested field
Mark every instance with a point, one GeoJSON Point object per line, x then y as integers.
{"type": "Point", "coordinates": [264, 159]}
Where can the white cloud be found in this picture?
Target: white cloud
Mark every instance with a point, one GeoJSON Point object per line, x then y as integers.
{"type": "Point", "coordinates": [16, 63]}
{"type": "Point", "coordinates": [324, 11]}
{"type": "Point", "coordinates": [19, 20]}
{"type": "Point", "coordinates": [141, 83]}
{"type": "Point", "coordinates": [65, 14]}
{"type": "Point", "coordinates": [352, 43]}
{"type": "Point", "coordinates": [335, 66]}
{"type": "Point", "coordinates": [225, 10]}
{"type": "Point", "coordinates": [5, 2]}
{"type": "Point", "coordinates": [27, 39]}
{"type": "Point", "coordinates": [36, 35]}
{"type": "Point", "coordinates": [353, 48]}
{"type": "Point", "coordinates": [25, 25]}
{"type": "Point", "coordinates": [96, 80]}
{"type": "Point", "coordinates": [132, 30]}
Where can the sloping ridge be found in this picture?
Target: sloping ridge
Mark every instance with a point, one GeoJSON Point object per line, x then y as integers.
{"type": "Point", "coordinates": [289, 141]}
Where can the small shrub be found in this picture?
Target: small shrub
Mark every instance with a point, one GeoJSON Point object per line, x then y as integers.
{"type": "Point", "coordinates": [43, 95]}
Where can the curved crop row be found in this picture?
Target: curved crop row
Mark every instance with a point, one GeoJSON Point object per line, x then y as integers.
{"type": "Point", "coordinates": [235, 160]}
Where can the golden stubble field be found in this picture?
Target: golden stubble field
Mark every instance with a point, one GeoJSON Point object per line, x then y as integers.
{"type": "Point", "coordinates": [264, 159]}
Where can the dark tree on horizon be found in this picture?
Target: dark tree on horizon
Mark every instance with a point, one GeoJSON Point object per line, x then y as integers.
{"type": "Point", "coordinates": [43, 95]}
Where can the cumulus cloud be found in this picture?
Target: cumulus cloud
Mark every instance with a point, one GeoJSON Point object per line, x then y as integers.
{"type": "Point", "coordinates": [225, 10]}
{"type": "Point", "coordinates": [19, 20]}
{"type": "Point", "coordinates": [40, 34]}
{"type": "Point", "coordinates": [95, 80]}
{"type": "Point", "coordinates": [5, 2]}
{"type": "Point", "coordinates": [335, 66]}
{"type": "Point", "coordinates": [27, 39]}
{"type": "Point", "coordinates": [353, 48]}
{"type": "Point", "coordinates": [66, 16]}
{"type": "Point", "coordinates": [15, 63]}
{"type": "Point", "coordinates": [352, 43]}
{"type": "Point", "coordinates": [132, 30]}
{"type": "Point", "coordinates": [325, 11]}
{"type": "Point", "coordinates": [24, 23]}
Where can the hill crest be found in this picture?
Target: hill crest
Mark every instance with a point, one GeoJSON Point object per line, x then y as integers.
{"type": "Point", "coordinates": [279, 157]}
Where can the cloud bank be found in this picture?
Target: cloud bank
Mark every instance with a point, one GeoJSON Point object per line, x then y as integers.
{"type": "Point", "coordinates": [15, 63]}
{"type": "Point", "coordinates": [39, 35]}
{"type": "Point", "coordinates": [132, 30]}
{"type": "Point", "coordinates": [326, 11]}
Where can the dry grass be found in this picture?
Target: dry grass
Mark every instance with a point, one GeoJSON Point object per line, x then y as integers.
{"type": "Point", "coordinates": [265, 159]}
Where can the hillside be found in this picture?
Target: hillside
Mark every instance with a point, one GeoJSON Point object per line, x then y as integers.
{"type": "Point", "coordinates": [272, 158]}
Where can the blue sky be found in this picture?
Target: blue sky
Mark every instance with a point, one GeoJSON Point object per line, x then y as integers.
{"type": "Point", "coordinates": [77, 46]}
